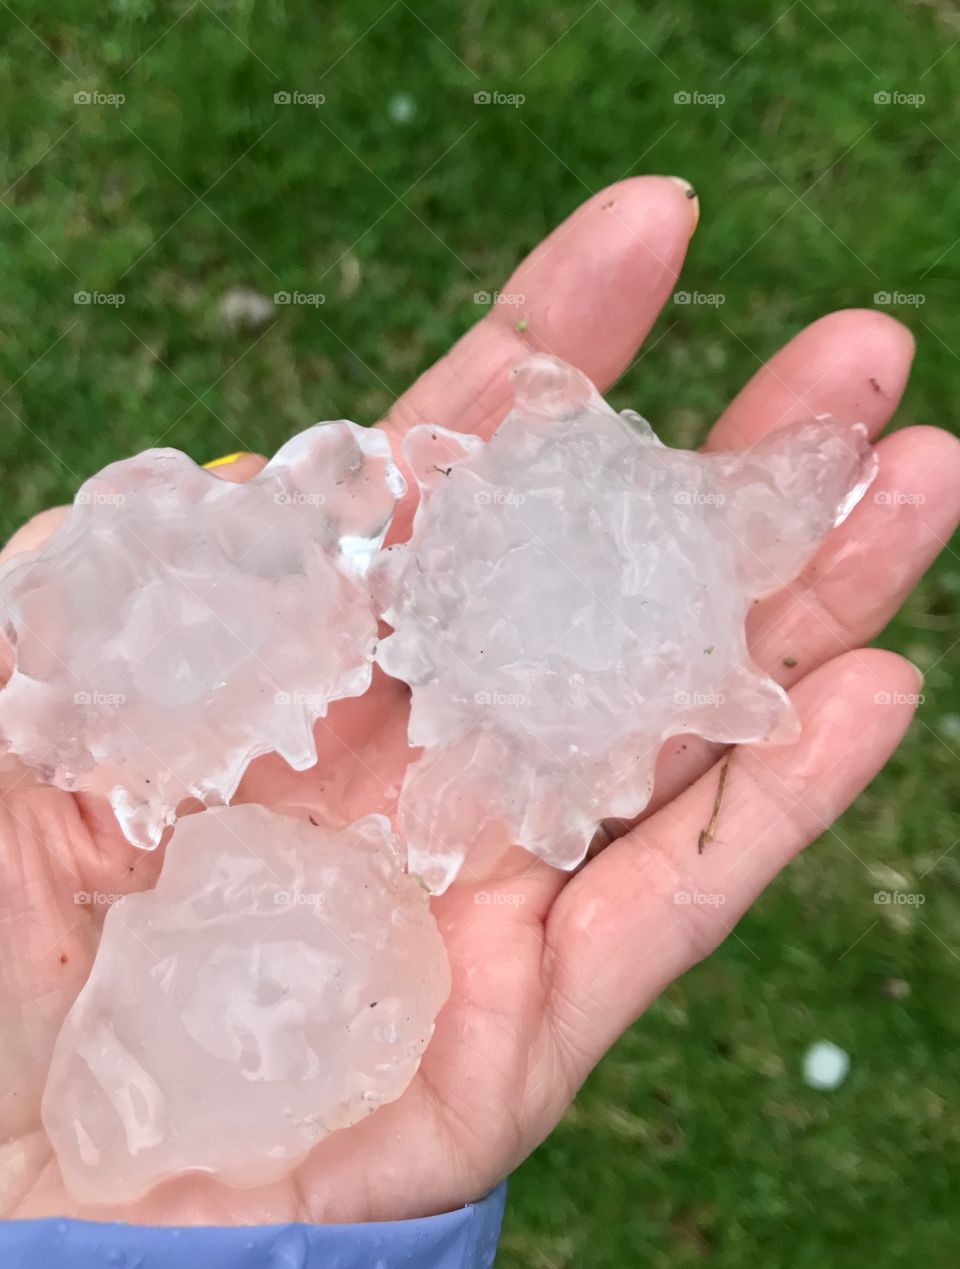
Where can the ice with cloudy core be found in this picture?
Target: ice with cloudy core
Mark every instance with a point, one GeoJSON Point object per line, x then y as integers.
{"type": "Point", "coordinates": [573, 593]}
{"type": "Point", "coordinates": [177, 625]}
{"type": "Point", "coordinates": [281, 982]}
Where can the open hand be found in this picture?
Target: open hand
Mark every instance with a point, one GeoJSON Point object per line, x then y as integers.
{"type": "Point", "coordinates": [548, 968]}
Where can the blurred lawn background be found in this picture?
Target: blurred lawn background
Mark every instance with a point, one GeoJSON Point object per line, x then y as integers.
{"type": "Point", "coordinates": [696, 1140]}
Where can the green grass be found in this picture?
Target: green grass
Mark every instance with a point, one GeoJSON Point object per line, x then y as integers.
{"type": "Point", "coordinates": [695, 1140]}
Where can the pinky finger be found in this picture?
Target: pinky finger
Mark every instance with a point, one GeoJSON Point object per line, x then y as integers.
{"type": "Point", "coordinates": [650, 906]}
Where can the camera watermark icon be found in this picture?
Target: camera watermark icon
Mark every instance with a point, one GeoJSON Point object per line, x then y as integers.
{"type": "Point", "coordinates": [498, 498]}
{"type": "Point", "coordinates": [692, 97]}
{"type": "Point", "coordinates": [107, 299]}
{"type": "Point", "coordinates": [299, 898]}
{"type": "Point", "coordinates": [704, 299]}
{"type": "Point", "coordinates": [905, 299]}
{"type": "Point", "coordinates": [699, 899]}
{"type": "Point", "coordinates": [511, 699]}
{"type": "Point", "coordinates": [901, 898]}
{"type": "Point", "coordinates": [898, 698]}
{"type": "Point", "coordinates": [892, 97]}
{"type": "Point", "coordinates": [308, 700]}
{"type": "Point", "coordinates": [109, 700]}
{"type": "Point", "coordinates": [509, 298]}
{"type": "Point", "coordinates": [500, 898]}
{"type": "Point", "coordinates": [298, 498]}
{"type": "Point", "coordinates": [99, 498]}
{"type": "Point", "coordinates": [699, 698]}
{"type": "Point", "coordinates": [300, 299]}
{"type": "Point", "coordinates": [697, 498]}
{"type": "Point", "coordinates": [898, 498]}
{"type": "Point", "coordinates": [484, 98]}
{"type": "Point", "coordinates": [96, 899]}
{"type": "Point", "coordinates": [295, 98]}
{"type": "Point", "coordinates": [91, 97]}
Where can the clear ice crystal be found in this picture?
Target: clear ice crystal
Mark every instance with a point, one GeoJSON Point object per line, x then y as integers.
{"type": "Point", "coordinates": [281, 982]}
{"type": "Point", "coordinates": [177, 625]}
{"type": "Point", "coordinates": [573, 593]}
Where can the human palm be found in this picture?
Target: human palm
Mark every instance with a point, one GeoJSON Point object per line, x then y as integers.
{"type": "Point", "coordinates": [548, 969]}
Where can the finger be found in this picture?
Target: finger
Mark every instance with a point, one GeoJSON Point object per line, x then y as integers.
{"type": "Point", "coordinates": [632, 921]}
{"type": "Point", "coordinates": [590, 293]}
{"type": "Point", "coordinates": [852, 364]}
{"type": "Point", "coordinates": [852, 587]}
{"type": "Point", "coordinates": [237, 467]}
{"type": "Point", "coordinates": [869, 564]}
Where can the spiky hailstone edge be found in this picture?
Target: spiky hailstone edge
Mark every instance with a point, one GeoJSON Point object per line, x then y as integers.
{"type": "Point", "coordinates": [351, 554]}
{"type": "Point", "coordinates": [548, 390]}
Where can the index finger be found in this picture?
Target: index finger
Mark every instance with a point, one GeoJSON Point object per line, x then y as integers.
{"type": "Point", "coordinates": [588, 294]}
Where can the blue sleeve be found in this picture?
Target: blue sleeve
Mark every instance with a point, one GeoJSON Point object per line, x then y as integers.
{"type": "Point", "coordinates": [465, 1239]}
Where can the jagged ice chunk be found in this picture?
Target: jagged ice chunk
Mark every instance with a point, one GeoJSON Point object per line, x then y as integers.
{"type": "Point", "coordinates": [281, 982]}
{"type": "Point", "coordinates": [177, 625]}
{"type": "Point", "coordinates": [573, 593]}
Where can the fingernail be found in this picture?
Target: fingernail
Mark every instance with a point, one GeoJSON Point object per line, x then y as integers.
{"type": "Point", "coordinates": [691, 193]}
{"type": "Point", "coordinates": [916, 669]}
{"type": "Point", "coordinates": [230, 458]}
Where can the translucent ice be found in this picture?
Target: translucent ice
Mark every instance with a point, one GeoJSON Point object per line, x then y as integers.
{"type": "Point", "coordinates": [177, 625]}
{"type": "Point", "coordinates": [573, 593]}
{"type": "Point", "coordinates": [279, 983]}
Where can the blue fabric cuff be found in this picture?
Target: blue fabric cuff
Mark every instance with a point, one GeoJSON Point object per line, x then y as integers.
{"type": "Point", "coordinates": [465, 1239]}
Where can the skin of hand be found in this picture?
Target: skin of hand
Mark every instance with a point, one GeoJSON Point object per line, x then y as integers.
{"type": "Point", "coordinates": [548, 968]}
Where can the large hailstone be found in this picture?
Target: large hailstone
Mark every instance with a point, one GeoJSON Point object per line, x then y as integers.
{"type": "Point", "coordinates": [280, 982]}
{"type": "Point", "coordinates": [573, 593]}
{"type": "Point", "coordinates": [177, 625]}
